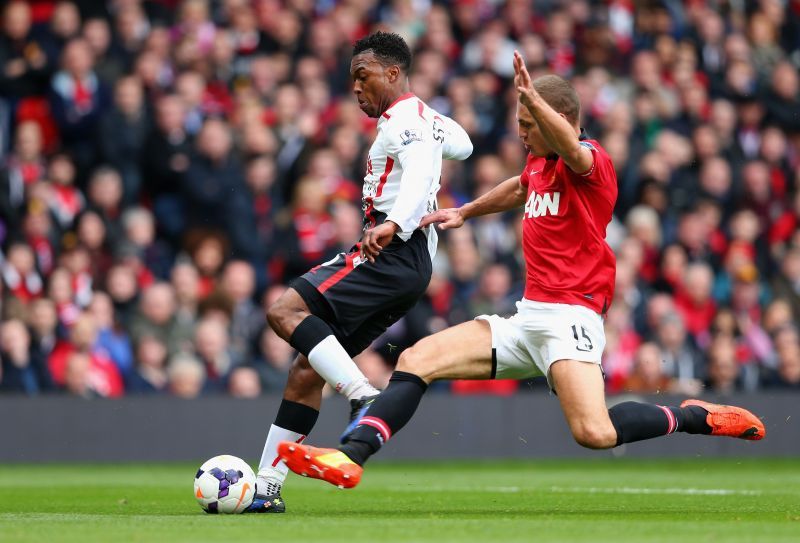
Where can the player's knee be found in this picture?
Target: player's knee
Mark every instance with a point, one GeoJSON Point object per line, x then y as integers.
{"type": "Point", "coordinates": [283, 314]}
{"type": "Point", "coordinates": [275, 315]}
{"type": "Point", "coordinates": [412, 360]}
{"type": "Point", "coordinates": [595, 435]}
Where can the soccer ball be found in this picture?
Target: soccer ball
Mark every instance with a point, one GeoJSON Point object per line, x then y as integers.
{"type": "Point", "coordinates": [224, 484]}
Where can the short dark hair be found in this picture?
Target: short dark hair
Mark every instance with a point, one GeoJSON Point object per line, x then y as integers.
{"type": "Point", "coordinates": [388, 48]}
{"type": "Point", "coordinates": [560, 95]}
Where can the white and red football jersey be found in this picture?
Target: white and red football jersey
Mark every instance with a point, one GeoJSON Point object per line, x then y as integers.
{"type": "Point", "coordinates": [405, 165]}
{"type": "Point", "coordinates": [564, 228]}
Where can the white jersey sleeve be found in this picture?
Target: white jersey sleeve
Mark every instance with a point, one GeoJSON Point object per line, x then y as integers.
{"type": "Point", "coordinates": [418, 154]}
{"type": "Point", "coordinates": [457, 145]}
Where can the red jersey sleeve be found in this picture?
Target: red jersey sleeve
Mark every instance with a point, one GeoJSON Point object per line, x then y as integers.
{"type": "Point", "coordinates": [602, 170]}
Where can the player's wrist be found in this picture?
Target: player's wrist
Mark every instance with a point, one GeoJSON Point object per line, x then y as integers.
{"type": "Point", "coordinates": [393, 225]}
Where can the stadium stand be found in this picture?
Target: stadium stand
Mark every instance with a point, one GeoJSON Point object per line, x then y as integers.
{"type": "Point", "coordinates": [167, 166]}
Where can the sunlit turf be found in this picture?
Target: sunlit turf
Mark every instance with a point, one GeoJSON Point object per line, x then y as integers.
{"type": "Point", "coordinates": [577, 500]}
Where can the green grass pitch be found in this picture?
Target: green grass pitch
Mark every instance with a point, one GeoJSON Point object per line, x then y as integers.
{"type": "Point", "coordinates": [598, 500]}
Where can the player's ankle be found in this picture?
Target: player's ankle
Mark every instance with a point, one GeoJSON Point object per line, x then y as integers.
{"type": "Point", "coordinates": [359, 389]}
{"type": "Point", "coordinates": [269, 482]}
{"type": "Point", "coordinates": [357, 451]}
{"type": "Point", "coordinates": [694, 420]}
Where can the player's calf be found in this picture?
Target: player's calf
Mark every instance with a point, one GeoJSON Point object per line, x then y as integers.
{"type": "Point", "coordinates": [304, 385]}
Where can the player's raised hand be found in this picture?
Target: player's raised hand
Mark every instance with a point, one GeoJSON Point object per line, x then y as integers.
{"type": "Point", "coordinates": [522, 81]}
{"type": "Point", "coordinates": [375, 239]}
{"type": "Point", "coordinates": [446, 218]}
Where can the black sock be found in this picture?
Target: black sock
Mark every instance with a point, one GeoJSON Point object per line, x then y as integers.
{"type": "Point", "coordinates": [296, 417]}
{"type": "Point", "coordinates": [309, 333]}
{"type": "Point", "coordinates": [635, 421]}
{"type": "Point", "coordinates": [386, 416]}
{"type": "Point", "coordinates": [694, 420]}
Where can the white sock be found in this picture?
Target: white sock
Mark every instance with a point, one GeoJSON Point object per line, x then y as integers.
{"type": "Point", "coordinates": [272, 468]}
{"type": "Point", "coordinates": [332, 363]}
{"type": "Point", "coordinates": [358, 389]}
{"type": "Point", "coordinates": [268, 486]}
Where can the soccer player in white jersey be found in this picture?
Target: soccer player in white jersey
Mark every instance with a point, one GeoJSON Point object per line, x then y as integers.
{"type": "Point", "coordinates": [334, 311]}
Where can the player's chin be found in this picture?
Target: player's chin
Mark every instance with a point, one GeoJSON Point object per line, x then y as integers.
{"type": "Point", "coordinates": [367, 109]}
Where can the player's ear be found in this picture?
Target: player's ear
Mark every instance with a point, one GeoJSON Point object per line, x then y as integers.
{"type": "Point", "coordinates": [393, 72]}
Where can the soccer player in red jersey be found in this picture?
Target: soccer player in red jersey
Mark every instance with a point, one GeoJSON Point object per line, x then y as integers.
{"type": "Point", "coordinates": [569, 189]}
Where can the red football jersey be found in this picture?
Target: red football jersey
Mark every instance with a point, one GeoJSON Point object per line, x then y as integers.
{"type": "Point", "coordinates": [564, 228]}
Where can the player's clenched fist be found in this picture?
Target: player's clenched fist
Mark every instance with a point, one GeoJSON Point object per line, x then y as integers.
{"type": "Point", "coordinates": [446, 218]}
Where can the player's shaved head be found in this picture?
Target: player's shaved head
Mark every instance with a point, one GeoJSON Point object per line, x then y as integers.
{"type": "Point", "coordinates": [560, 95]}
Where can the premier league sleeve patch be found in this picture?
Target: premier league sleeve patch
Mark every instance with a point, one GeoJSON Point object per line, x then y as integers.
{"type": "Point", "coordinates": [410, 135]}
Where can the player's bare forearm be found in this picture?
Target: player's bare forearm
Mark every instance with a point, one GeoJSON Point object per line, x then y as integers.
{"type": "Point", "coordinates": [507, 195]}
{"type": "Point", "coordinates": [560, 135]}
{"type": "Point", "coordinates": [557, 132]}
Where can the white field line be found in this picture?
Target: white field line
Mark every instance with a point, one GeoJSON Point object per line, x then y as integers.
{"type": "Point", "coordinates": [588, 490]}
{"type": "Point", "coordinates": [632, 490]}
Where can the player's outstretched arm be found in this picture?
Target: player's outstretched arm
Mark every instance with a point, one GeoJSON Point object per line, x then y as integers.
{"type": "Point", "coordinates": [559, 134]}
{"type": "Point", "coordinates": [507, 195]}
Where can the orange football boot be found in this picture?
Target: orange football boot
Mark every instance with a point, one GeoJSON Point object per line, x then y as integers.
{"type": "Point", "coordinates": [329, 465]}
{"type": "Point", "coordinates": [731, 421]}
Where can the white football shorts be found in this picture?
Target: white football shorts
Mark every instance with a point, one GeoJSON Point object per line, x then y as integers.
{"type": "Point", "coordinates": [526, 344]}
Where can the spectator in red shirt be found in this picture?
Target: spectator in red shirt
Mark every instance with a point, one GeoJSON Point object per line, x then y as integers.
{"type": "Point", "coordinates": [66, 200]}
{"type": "Point", "coordinates": [101, 375]}
{"type": "Point", "coordinates": [693, 300]}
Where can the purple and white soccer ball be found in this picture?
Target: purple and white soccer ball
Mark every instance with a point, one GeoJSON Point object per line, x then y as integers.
{"type": "Point", "coordinates": [224, 484]}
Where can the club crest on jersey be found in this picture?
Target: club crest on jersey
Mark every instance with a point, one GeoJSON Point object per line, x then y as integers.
{"type": "Point", "coordinates": [409, 136]}
{"type": "Point", "coordinates": [542, 204]}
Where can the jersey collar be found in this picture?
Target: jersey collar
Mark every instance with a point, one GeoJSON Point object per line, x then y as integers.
{"type": "Point", "coordinates": [402, 97]}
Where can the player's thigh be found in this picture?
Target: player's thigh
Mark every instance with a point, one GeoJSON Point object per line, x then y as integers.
{"type": "Point", "coordinates": [460, 352]}
{"type": "Point", "coordinates": [373, 327]}
{"type": "Point", "coordinates": [355, 291]}
{"type": "Point", "coordinates": [580, 390]}
{"type": "Point", "coordinates": [515, 351]}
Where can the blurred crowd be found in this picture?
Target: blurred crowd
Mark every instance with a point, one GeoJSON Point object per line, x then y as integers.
{"type": "Point", "coordinates": [168, 166]}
